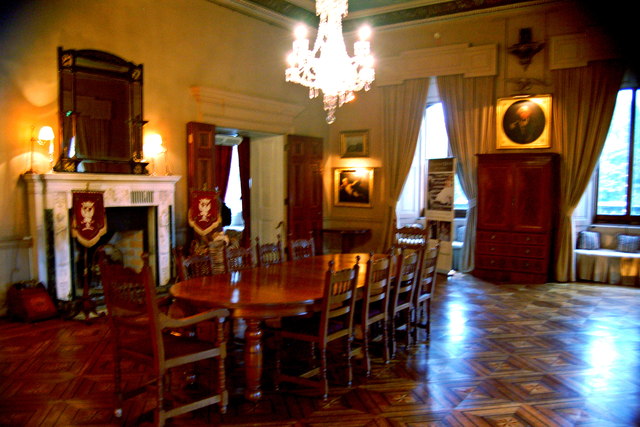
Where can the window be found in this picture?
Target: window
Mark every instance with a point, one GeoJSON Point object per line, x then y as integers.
{"type": "Point", "coordinates": [433, 143]}
{"type": "Point", "coordinates": [233, 198]}
{"type": "Point", "coordinates": [618, 190]}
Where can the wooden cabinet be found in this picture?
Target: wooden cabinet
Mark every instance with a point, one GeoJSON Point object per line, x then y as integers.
{"type": "Point", "coordinates": [517, 211]}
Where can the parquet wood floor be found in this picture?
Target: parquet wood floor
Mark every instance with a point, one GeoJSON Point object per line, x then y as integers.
{"type": "Point", "coordinates": [498, 355]}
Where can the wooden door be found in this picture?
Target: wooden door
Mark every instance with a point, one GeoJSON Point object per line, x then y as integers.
{"type": "Point", "coordinates": [495, 195]}
{"type": "Point", "coordinates": [533, 191]}
{"type": "Point", "coordinates": [201, 164]}
{"type": "Point", "coordinates": [304, 187]}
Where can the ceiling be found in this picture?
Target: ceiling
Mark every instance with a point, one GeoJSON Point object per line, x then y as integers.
{"type": "Point", "coordinates": [377, 13]}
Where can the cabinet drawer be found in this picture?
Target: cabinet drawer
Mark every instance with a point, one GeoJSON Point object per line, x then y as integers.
{"type": "Point", "coordinates": [530, 265]}
{"type": "Point", "coordinates": [530, 239]}
{"type": "Point", "coordinates": [492, 248]}
{"type": "Point", "coordinates": [529, 251]}
{"type": "Point", "coordinates": [493, 236]}
{"type": "Point", "coordinates": [493, 262]}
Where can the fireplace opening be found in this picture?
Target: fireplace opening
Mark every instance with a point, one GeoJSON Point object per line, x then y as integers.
{"type": "Point", "coordinates": [132, 231]}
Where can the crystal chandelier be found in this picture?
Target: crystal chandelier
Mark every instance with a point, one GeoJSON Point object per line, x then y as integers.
{"type": "Point", "coordinates": [328, 67]}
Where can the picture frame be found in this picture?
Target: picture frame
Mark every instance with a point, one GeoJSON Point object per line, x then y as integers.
{"type": "Point", "coordinates": [353, 187]}
{"type": "Point", "coordinates": [354, 143]}
{"type": "Point", "coordinates": [524, 122]}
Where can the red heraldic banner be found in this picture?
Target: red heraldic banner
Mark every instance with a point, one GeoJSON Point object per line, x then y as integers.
{"type": "Point", "coordinates": [204, 212]}
{"type": "Point", "coordinates": [89, 221]}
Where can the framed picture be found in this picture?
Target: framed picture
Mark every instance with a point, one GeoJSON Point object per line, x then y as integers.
{"type": "Point", "coordinates": [524, 122]}
{"type": "Point", "coordinates": [353, 187]}
{"type": "Point", "coordinates": [354, 143]}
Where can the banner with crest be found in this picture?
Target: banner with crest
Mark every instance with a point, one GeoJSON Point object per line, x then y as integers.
{"type": "Point", "coordinates": [204, 212]}
{"type": "Point", "coordinates": [89, 220]}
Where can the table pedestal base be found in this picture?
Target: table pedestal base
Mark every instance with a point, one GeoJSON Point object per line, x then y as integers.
{"type": "Point", "coordinates": [253, 359]}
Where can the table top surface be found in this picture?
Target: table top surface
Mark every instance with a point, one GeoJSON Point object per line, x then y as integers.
{"type": "Point", "coordinates": [291, 285]}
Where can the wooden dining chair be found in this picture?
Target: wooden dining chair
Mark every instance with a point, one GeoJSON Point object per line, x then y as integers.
{"type": "Point", "coordinates": [401, 304]}
{"type": "Point", "coordinates": [269, 253]}
{"type": "Point", "coordinates": [195, 265]}
{"type": "Point", "coordinates": [141, 335]}
{"type": "Point", "coordinates": [410, 235]}
{"type": "Point", "coordinates": [373, 307]}
{"type": "Point", "coordinates": [239, 258]}
{"type": "Point", "coordinates": [333, 322]}
{"type": "Point", "coordinates": [424, 290]}
{"type": "Point", "coordinates": [302, 248]}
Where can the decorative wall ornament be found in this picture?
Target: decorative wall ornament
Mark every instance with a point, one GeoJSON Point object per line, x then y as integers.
{"type": "Point", "coordinates": [525, 49]}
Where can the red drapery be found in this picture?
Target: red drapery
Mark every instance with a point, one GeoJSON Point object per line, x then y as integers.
{"type": "Point", "coordinates": [245, 175]}
{"type": "Point", "coordinates": [223, 167]}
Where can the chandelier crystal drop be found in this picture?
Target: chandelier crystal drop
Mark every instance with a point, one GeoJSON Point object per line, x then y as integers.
{"type": "Point", "coordinates": [328, 68]}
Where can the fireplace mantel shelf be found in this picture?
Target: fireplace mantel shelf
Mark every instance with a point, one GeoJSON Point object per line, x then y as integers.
{"type": "Point", "coordinates": [53, 192]}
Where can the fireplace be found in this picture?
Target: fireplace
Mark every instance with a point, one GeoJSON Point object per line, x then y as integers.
{"type": "Point", "coordinates": [50, 200]}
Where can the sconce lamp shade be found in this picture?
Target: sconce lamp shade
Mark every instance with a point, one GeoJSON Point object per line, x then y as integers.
{"type": "Point", "coordinates": [45, 135]}
{"type": "Point", "coordinates": [153, 145]}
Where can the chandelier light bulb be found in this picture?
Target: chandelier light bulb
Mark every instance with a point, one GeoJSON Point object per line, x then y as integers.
{"type": "Point", "coordinates": [364, 32]}
{"type": "Point", "coordinates": [328, 68]}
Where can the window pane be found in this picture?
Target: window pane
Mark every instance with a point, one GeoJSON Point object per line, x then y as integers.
{"type": "Point", "coordinates": [635, 186]}
{"type": "Point", "coordinates": [437, 139]}
{"type": "Point", "coordinates": [614, 161]}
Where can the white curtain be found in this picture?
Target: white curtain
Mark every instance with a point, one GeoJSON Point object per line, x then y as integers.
{"type": "Point", "coordinates": [583, 103]}
{"type": "Point", "coordinates": [469, 114]}
{"type": "Point", "coordinates": [403, 108]}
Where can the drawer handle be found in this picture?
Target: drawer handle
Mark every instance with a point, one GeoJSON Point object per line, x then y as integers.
{"type": "Point", "coordinates": [527, 238]}
{"type": "Point", "coordinates": [493, 236]}
{"type": "Point", "coordinates": [527, 251]}
{"type": "Point", "coordinates": [493, 249]}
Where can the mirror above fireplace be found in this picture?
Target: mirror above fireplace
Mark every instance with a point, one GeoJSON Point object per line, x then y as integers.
{"type": "Point", "coordinates": [100, 109]}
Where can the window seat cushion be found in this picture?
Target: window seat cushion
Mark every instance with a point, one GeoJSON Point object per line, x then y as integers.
{"type": "Point", "coordinates": [608, 266]}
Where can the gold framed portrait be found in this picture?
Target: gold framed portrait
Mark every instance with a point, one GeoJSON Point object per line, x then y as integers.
{"type": "Point", "coordinates": [353, 187]}
{"type": "Point", "coordinates": [354, 143]}
{"type": "Point", "coordinates": [524, 122]}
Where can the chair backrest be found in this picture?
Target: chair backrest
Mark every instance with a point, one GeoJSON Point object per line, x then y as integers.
{"type": "Point", "coordinates": [411, 236]}
{"type": "Point", "coordinates": [193, 266]}
{"type": "Point", "coordinates": [239, 258]}
{"type": "Point", "coordinates": [375, 293]}
{"type": "Point", "coordinates": [339, 301]}
{"type": "Point", "coordinates": [130, 297]}
{"type": "Point", "coordinates": [269, 253]}
{"type": "Point", "coordinates": [429, 270]}
{"type": "Point", "coordinates": [302, 248]}
{"type": "Point", "coordinates": [405, 282]}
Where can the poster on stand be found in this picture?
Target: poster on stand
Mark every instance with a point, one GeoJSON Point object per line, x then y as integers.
{"type": "Point", "coordinates": [440, 212]}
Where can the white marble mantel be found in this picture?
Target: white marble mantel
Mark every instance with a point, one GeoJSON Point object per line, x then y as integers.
{"type": "Point", "coordinates": [54, 191]}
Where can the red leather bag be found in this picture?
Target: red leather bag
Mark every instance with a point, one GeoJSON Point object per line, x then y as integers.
{"type": "Point", "coordinates": [29, 301]}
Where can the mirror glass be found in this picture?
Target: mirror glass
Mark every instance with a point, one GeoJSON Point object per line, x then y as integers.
{"type": "Point", "coordinates": [100, 113]}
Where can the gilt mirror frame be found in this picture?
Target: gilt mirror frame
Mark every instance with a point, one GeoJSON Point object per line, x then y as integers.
{"type": "Point", "coordinates": [100, 113]}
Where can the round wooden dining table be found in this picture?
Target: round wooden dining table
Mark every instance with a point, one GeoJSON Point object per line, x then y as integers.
{"type": "Point", "coordinates": [286, 289]}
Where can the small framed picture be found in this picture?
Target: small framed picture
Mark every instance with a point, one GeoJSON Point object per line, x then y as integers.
{"type": "Point", "coordinates": [353, 187]}
{"type": "Point", "coordinates": [354, 143]}
{"type": "Point", "coordinates": [524, 122]}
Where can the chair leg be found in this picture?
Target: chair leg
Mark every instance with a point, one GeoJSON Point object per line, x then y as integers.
{"type": "Point", "coordinates": [324, 382]}
{"type": "Point", "coordinates": [391, 326]}
{"type": "Point", "coordinates": [348, 355]}
{"type": "Point", "coordinates": [428, 322]}
{"type": "Point", "coordinates": [366, 361]}
{"type": "Point", "coordinates": [385, 343]}
{"type": "Point", "coordinates": [221, 386]}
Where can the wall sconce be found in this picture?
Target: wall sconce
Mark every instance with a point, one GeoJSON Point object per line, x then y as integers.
{"type": "Point", "coordinates": [525, 49]}
{"type": "Point", "coordinates": [45, 135]}
{"type": "Point", "coordinates": [152, 149]}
